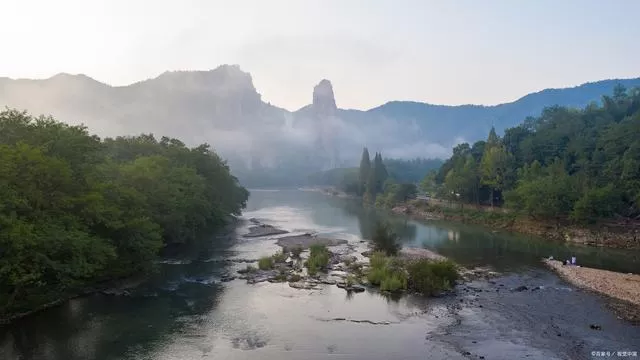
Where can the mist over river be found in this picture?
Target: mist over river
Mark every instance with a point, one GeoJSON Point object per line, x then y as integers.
{"type": "Point", "coordinates": [185, 311]}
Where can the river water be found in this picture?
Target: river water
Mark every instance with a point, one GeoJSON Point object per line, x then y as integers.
{"type": "Point", "coordinates": [186, 312]}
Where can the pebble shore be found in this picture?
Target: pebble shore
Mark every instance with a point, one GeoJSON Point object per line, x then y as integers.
{"type": "Point", "coordinates": [620, 286]}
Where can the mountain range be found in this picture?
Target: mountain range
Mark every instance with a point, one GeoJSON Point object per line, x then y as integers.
{"type": "Point", "coordinates": [267, 144]}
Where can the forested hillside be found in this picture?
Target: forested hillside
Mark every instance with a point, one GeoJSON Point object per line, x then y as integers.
{"type": "Point", "coordinates": [76, 210]}
{"type": "Point", "coordinates": [583, 165]}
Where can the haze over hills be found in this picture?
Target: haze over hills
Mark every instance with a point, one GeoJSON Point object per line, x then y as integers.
{"type": "Point", "coordinates": [265, 144]}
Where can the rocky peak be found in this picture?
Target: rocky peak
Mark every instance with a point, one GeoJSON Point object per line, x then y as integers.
{"type": "Point", "coordinates": [324, 103]}
{"type": "Point", "coordinates": [229, 79]}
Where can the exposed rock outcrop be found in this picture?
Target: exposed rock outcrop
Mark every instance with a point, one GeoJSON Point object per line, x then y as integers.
{"type": "Point", "coordinates": [324, 102]}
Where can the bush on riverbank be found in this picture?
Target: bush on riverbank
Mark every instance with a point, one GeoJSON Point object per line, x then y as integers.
{"type": "Point", "coordinates": [430, 277]}
{"type": "Point", "coordinates": [265, 263]}
{"type": "Point", "coordinates": [425, 276]}
{"type": "Point", "coordinates": [77, 210]}
{"type": "Point", "coordinates": [386, 272]}
{"type": "Point", "coordinates": [269, 262]}
{"type": "Point", "coordinates": [318, 259]}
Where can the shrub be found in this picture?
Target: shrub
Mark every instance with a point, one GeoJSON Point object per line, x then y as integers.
{"type": "Point", "coordinates": [318, 249]}
{"type": "Point", "coordinates": [280, 257]}
{"type": "Point", "coordinates": [312, 269]}
{"type": "Point", "coordinates": [378, 260]}
{"type": "Point", "coordinates": [376, 275]}
{"type": "Point", "coordinates": [281, 277]}
{"type": "Point", "coordinates": [429, 277]}
{"type": "Point", "coordinates": [248, 269]}
{"type": "Point", "coordinates": [295, 278]}
{"type": "Point", "coordinates": [318, 259]}
{"type": "Point", "coordinates": [296, 251]}
{"type": "Point", "coordinates": [394, 281]}
{"type": "Point", "coordinates": [386, 272]}
{"type": "Point", "coordinates": [350, 280]}
{"type": "Point", "coordinates": [265, 263]}
{"type": "Point", "coordinates": [385, 240]}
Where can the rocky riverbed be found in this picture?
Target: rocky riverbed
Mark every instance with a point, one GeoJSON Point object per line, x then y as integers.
{"type": "Point", "coordinates": [345, 268]}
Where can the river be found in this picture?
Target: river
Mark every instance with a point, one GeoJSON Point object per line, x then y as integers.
{"type": "Point", "coordinates": [186, 312]}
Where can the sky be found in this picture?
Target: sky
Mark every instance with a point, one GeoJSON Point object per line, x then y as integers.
{"type": "Point", "coordinates": [440, 52]}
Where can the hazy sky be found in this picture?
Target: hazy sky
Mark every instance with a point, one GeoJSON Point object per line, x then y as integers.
{"type": "Point", "coordinates": [443, 52]}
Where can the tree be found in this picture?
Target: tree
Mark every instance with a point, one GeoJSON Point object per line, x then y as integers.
{"type": "Point", "coordinates": [395, 193]}
{"type": "Point", "coordinates": [77, 210]}
{"type": "Point", "coordinates": [429, 184]}
{"type": "Point", "coordinates": [381, 174]}
{"type": "Point", "coordinates": [493, 139]}
{"type": "Point", "coordinates": [365, 170]}
{"type": "Point", "coordinates": [494, 169]}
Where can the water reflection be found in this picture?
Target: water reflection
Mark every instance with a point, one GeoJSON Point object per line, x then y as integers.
{"type": "Point", "coordinates": [476, 246]}
{"type": "Point", "coordinates": [368, 218]}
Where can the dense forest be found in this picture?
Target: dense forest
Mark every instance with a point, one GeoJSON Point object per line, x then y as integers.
{"type": "Point", "coordinates": [410, 171]}
{"type": "Point", "coordinates": [567, 164]}
{"type": "Point", "coordinates": [76, 210]}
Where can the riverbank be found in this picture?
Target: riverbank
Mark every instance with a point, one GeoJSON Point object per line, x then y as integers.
{"type": "Point", "coordinates": [604, 235]}
{"type": "Point", "coordinates": [619, 286]}
{"type": "Point", "coordinates": [119, 286]}
{"type": "Point", "coordinates": [114, 287]}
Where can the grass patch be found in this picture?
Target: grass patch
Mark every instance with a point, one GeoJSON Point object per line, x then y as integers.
{"type": "Point", "coordinates": [427, 277]}
{"type": "Point", "coordinates": [280, 257]}
{"type": "Point", "coordinates": [394, 281]}
{"type": "Point", "coordinates": [318, 259]}
{"type": "Point", "coordinates": [247, 270]}
{"type": "Point", "coordinates": [430, 277]}
{"type": "Point", "coordinates": [281, 277]}
{"type": "Point", "coordinates": [386, 272]}
{"type": "Point", "coordinates": [265, 263]}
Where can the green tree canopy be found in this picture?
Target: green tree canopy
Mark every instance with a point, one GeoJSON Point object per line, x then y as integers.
{"type": "Point", "coordinates": [77, 210]}
{"type": "Point", "coordinates": [567, 163]}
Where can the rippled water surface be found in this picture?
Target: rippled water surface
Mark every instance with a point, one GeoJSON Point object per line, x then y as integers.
{"type": "Point", "coordinates": [186, 312]}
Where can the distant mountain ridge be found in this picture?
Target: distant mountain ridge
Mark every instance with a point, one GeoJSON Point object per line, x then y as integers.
{"type": "Point", "coordinates": [222, 107]}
